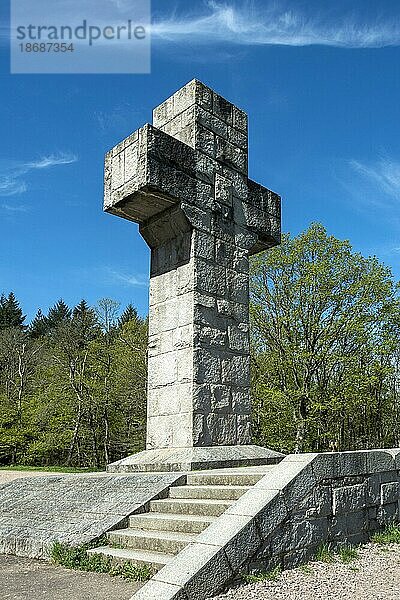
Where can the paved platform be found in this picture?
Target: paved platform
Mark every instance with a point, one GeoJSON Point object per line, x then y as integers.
{"type": "Point", "coordinates": [6, 476]}
{"type": "Point", "coordinates": [73, 509]}
{"type": "Point", "coordinates": [27, 579]}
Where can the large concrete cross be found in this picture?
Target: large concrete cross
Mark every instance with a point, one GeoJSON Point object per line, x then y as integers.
{"type": "Point", "coordinates": [184, 179]}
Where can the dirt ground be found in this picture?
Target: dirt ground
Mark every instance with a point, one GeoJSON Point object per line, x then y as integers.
{"type": "Point", "coordinates": [27, 579]}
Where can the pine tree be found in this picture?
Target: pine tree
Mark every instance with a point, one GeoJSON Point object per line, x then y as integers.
{"type": "Point", "coordinates": [85, 321]}
{"type": "Point", "coordinates": [10, 312]}
{"type": "Point", "coordinates": [39, 326]}
{"type": "Point", "coordinates": [129, 314]}
{"type": "Point", "coordinates": [58, 314]}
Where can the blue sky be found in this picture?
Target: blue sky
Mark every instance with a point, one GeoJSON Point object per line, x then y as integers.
{"type": "Point", "coordinates": [321, 86]}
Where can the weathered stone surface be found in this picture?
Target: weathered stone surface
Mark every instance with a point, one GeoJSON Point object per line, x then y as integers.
{"type": "Point", "coordinates": [299, 504]}
{"type": "Point", "coordinates": [195, 458]}
{"type": "Point", "coordinates": [159, 589]}
{"type": "Point", "coordinates": [239, 536]}
{"type": "Point", "coordinates": [349, 499]}
{"type": "Point", "coordinates": [191, 571]}
{"type": "Point", "coordinates": [74, 509]}
{"type": "Point", "coordinates": [390, 492]}
{"type": "Point", "coordinates": [185, 181]}
{"type": "Point", "coordinates": [297, 477]}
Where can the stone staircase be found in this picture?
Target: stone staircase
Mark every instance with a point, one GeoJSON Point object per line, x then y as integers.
{"type": "Point", "coordinates": [155, 537]}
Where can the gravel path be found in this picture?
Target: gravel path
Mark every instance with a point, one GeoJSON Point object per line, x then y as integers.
{"type": "Point", "coordinates": [374, 575]}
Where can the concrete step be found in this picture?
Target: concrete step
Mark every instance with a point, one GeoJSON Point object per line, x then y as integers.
{"type": "Point", "coordinates": [154, 560]}
{"type": "Point", "coordinates": [170, 522]}
{"type": "Point", "coordinates": [210, 492]}
{"type": "Point", "coordinates": [226, 478]}
{"type": "Point", "coordinates": [167, 542]}
{"type": "Point", "coordinates": [178, 506]}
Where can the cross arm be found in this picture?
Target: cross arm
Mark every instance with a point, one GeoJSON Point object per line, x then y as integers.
{"type": "Point", "coordinates": [148, 173]}
{"type": "Point", "coordinates": [262, 211]}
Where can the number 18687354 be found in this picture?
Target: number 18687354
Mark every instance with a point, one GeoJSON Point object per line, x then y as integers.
{"type": "Point", "coordinates": [46, 47]}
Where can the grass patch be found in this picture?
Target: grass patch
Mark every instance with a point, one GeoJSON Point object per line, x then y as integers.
{"type": "Point", "coordinates": [54, 469]}
{"type": "Point", "coordinates": [267, 576]}
{"type": "Point", "coordinates": [347, 554]}
{"type": "Point", "coordinates": [325, 554]}
{"type": "Point", "coordinates": [133, 572]}
{"type": "Point", "coordinates": [391, 535]}
{"type": "Point", "coordinates": [306, 569]}
{"type": "Point", "coordinates": [77, 558]}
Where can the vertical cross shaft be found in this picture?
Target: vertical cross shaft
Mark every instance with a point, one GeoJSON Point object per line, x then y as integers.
{"type": "Point", "coordinates": [185, 181]}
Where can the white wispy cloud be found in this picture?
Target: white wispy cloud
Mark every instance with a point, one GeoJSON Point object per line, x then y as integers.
{"type": "Point", "coordinates": [373, 189]}
{"type": "Point", "coordinates": [129, 279]}
{"type": "Point", "coordinates": [11, 186]}
{"type": "Point", "coordinates": [14, 207]}
{"type": "Point", "coordinates": [385, 173]}
{"type": "Point", "coordinates": [275, 24]}
{"type": "Point", "coordinates": [13, 174]}
{"type": "Point", "coordinates": [247, 23]}
{"type": "Point", "coordinates": [52, 160]}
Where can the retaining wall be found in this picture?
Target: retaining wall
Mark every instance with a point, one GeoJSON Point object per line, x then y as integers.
{"type": "Point", "coordinates": [304, 501]}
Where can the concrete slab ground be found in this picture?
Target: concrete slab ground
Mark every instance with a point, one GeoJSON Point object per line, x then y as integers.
{"type": "Point", "coordinates": [27, 579]}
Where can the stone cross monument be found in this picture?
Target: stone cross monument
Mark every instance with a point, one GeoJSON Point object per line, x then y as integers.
{"type": "Point", "coordinates": [184, 179]}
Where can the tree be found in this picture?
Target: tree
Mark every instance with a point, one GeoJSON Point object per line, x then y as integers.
{"type": "Point", "coordinates": [324, 333]}
{"type": "Point", "coordinates": [85, 322]}
{"type": "Point", "coordinates": [73, 393]}
{"type": "Point", "coordinates": [107, 314]}
{"type": "Point", "coordinates": [58, 314]}
{"type": "Point", "coordinates": [18, 361]}
{"type": "Point", "coordinates": [39, 325]}
{"type": "Point", "coordinates": [130, 314]}
{"type": "Point", "coordinates": [10, 312]}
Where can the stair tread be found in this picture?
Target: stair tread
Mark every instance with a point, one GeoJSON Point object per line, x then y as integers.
{"type": "Point", "coordinates": [174, 517]}
{"type": "Point", "coordinates": [133, 554]}
{"type": "Point", "coordinates": [254, 470]}
{"type": "Point", "coordinates": [192, 501]}
{"type": "Point", "coordinates": [155, 533]}
{"type": "Point", "coordinates": [214, 487]}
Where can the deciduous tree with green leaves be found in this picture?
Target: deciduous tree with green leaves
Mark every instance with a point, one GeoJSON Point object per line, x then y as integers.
{"type": "Point", "coordinates": [325, 327]}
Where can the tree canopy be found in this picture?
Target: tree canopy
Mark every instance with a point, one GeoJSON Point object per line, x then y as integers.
{"type": "Point", "coordinates": [325, 356]}
{"type": "Point", "coordinates": [325, 340]}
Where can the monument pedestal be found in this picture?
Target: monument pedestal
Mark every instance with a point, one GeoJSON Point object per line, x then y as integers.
{"type": "Point", "coordinates": [195, 459]}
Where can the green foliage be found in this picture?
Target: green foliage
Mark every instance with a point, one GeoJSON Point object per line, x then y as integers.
{"type": "Point", "coordinates": [129, 314]}
{"type": "Point", "coordinates": [391, 535]}
{"type": "Point", "coordinates": [306, 569]}
{"type": "Point", "coordinates": [347, 554]}
{"type": "Point", "coordinates": [50, 469]}
{"type": "Point", "coordinates": [77, 558]}
{"type": "Point", "coordinates": [39, 326]}
{"type": "Point", "coordinates": [58, 314]}
{"type": "Point", "coordinates": [325, 553]}
{"type": "Point", "coordinates": [10, 312]}
{"type": "Point", "coordinates": [73, 388]}
{"type": "Point", "coordinates": [325, 357]}
{"type": "Point", "coordinates": [325, 347]}
{"type": "Point", "coordinates": [263, 576]}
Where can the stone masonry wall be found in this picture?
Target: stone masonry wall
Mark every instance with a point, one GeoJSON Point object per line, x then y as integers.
{"type": "Point", "coordinates": [343, 508]}
{"type": "Point", "coordinates": [304, 501]}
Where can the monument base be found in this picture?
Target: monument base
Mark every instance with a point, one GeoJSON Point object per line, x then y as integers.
{"type": "Point", "coordinates": [194, 459]}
